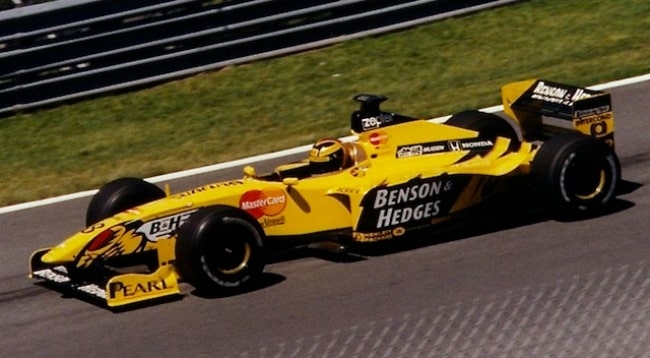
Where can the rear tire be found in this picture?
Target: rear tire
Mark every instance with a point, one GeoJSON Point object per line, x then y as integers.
{"type": "Point", "coordinates": [488, 125]}
{"type": "Point", "coordinates": [119, 195]}
{"type": "Point", "coordinates": [220, 250]}
{"type": "Point", "coordinates": [575, 175]}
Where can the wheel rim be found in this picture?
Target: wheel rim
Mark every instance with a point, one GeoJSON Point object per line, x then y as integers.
{"type": "Point", "coordinates": [232, 257]}
{"type": "Point", "coordinates": [229, 251]}
{"type": "Point", "coordinates": [597, 189]}
{"type": "Point", "coordinates": [586, 178]}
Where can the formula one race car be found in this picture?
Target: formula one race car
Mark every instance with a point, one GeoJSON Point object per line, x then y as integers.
{"type": "Point", "coordinates": [400, 174]}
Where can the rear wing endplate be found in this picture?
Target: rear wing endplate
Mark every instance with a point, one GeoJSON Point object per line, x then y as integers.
{"type": "Point", "coordinates": [578, 109]}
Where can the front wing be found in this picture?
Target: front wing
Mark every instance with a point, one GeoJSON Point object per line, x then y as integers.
{"type": "Point", "coordinates": [119, 291]}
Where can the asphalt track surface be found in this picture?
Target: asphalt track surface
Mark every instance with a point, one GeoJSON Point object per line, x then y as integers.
{"type": "Point", "coordinates": [514, 286]}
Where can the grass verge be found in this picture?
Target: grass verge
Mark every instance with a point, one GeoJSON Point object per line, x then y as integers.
{"type": "Point", "coordinates": [430, 70]}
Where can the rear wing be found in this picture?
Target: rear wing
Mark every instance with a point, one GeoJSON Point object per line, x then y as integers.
{"type": "Point", "coordinates": [569, 108]}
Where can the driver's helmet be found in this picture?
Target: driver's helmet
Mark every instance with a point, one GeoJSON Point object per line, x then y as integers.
{"type": "Point", "coordinates": [328, 155]}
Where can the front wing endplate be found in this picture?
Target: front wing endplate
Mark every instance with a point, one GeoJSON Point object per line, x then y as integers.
{"type": "Point", "coordinates": [121, 290]}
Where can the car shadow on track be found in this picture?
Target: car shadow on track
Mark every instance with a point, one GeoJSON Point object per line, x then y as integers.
{"type": "Point", "coordinates": [267, 279]}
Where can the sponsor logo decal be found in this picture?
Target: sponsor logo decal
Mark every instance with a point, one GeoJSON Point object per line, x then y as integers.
{"type": "Point", "coordinates": [419, 149]}
{"type": "Point", "coordinates": [154, 230]}
{"type": "Point", "coordinates": [554, 93]}
{"type": "Point", "coordinates": [408, 205]}
{"type": "Point", "coordinates": [588, 120]}
{"type": "Point", "coordinates": [387, 197]}
{"type": "Point", "coordinates": [119, 289]}
{"type": "Point", "coordinates": [454, 145]}
{"type": "Point", "coordinates": [397, 216]}
{"type": "Point", "coordinates": [267, 222]}
{"type": "Point", "coordinates": [376, 121]}
{"type": "Point", "coordinates": [409, 151]}
{"type": "Point", "coordinates": [592, 111]}
{"type": "Point", "coordinates": [210, 187]}
{"type": "Point", "coordinates": [412, 202]}
{"type": "Point", "coordinates": [599, 125]}
{"type": "Point", "coordinates": [457, 145]}
{"type": "Point", "coordinates": [347, 191]}
{"type": "Point", "coordinates": [379, 235]}
{"type": "Point", "coordinates": [373, 236]}
{"type": "Point", "coordinates": [56, 275]}
{"type": "Point", "coordinates": [266, 202]}
{"type": "Point", "coordinates": [93, 290]}
{"type": "Point", "coordinates": [51, 275]}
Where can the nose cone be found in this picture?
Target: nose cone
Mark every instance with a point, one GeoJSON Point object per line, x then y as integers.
{"type": "Point", "coordinates": [71, 248]}
{"type": "Point", "coordinates": [60, 254]}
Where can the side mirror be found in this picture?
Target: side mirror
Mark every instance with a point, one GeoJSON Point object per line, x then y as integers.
{"type": "Point", "coordinates": [291, 181]}
{"type": "Point", "coordinates": [249, 172]}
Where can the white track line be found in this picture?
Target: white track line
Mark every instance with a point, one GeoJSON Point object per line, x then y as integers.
{"type": "Point", "coordinates": [262, 157]}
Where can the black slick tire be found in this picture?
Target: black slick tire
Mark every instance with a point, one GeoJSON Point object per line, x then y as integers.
{"type": "Point", "coordinates": [488, 125]}
{"type": "Point", "coordinates": [219, 250]}
{"type": "Point", "coordinates": [119, 195]}
{"type": "Point", "coordinates": [575, 175]}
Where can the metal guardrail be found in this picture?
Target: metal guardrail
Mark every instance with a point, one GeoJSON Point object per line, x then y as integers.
{"type": "Point", "coordinates": [70, 49]}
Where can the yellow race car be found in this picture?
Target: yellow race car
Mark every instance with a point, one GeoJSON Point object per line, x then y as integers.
{"type": "Point", "coordinates": [400, 174]}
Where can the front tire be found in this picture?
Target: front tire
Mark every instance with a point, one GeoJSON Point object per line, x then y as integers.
{"type": "Point", "coordinates": [575, 175]}
{"type": "Point", "coordinates": [119, 195]}
{"type": "Point", "coordinates": [220, 250]}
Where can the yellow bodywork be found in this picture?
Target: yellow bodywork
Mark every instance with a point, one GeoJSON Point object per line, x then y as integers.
{"type": "Point", "coordinates": [403, 176]}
